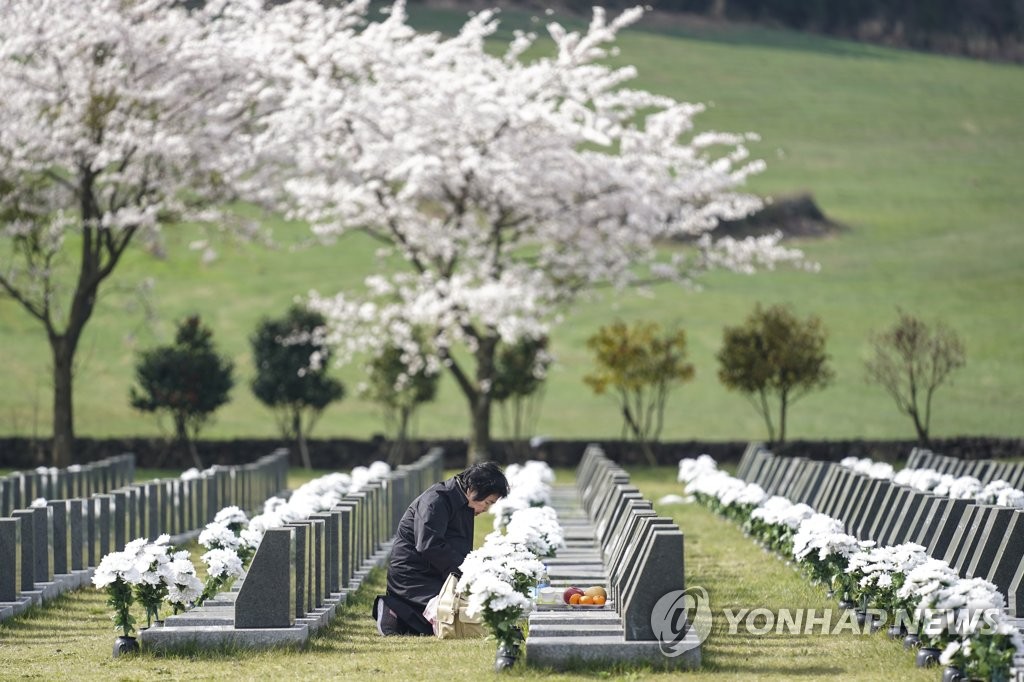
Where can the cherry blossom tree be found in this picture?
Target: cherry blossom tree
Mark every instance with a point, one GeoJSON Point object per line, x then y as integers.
{"type": "Point", "coordinates": [117, 117]}
{"type": "Point", "coordinates": [509, 185]}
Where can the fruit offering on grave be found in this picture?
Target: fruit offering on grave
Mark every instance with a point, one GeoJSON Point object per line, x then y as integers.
{"type": "Point", "coordinates": [571, 592]}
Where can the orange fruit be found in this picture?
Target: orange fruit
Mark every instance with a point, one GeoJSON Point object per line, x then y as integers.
{"type": "Point", "coordinates": [586, 599]}
{"type": "Point", "coordinates": [599, 600]}
{"type": "Point", "coordinates": [575, 599]}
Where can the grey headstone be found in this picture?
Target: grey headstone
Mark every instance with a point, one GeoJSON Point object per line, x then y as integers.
{"type": "Point", "coordinates": [18, 492]}
{"type": "Point", "coordinates": [331, 541]}
{"type": "Point", "coordinates": [883, 514]}
{"type": "Point", "coordinates": [28, 558]}
{"type": "Point", "coordinates": [962, 549]}
{"type": "Point", "coordinates": [893, 515]}
{"type": "Point", "coordinates": [104, 526]}
{"type": "Point", "coordinates": [660, 572]}
{"type": "Point", "coordinates": [42, 544]}
{"type": "Point", "coordinates": [951, 515]}
{"type": "Point", "coordinates": [989, 542]}
{"type": "Point", "coordinates": [10, 559]}
{"type": "Point", "coordinates": [901, 533]}
{"type": "Point", "coordinates": [267, 596]}
{"type": "Point", "coordinates": [119, 512]}
{"type": "Point", "coordinates": [77, 554]}
{"type": "Point", "coordinates": [61, 537]}
{"type": "Point", "coordinates": [868, 510]}
{"type": "Point", "coordinates": [302, 547]}
{"type": "Point", "coordinates": [346, 559]}
{"type": "Point", "coordinates": [153, 527]}
{"type": "Point", "coordinates": [1009, 555]}
{"type": "Point", "coordinates": [5, 496]}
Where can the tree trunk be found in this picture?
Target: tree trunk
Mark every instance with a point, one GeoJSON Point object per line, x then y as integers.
{"type": "Point", "coordinates": [301, 438]}
{"type": "Point", "coordinates": [181, 430]}
{"type": "Point", "coordinates": [480, 424]}
{"type": "Point", "coordinates": [922, 430]}
{"type": "Point", "coordinates": [480, 402]}
{"type": "Point", "coordinates": [782, 418]}
{"type": "Point", "coordinates": [63, 406]}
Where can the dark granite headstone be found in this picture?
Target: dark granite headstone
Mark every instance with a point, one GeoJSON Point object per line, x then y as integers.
{"type": "Point", "coordinates": [61, 536]}
{"type": "Point", "coordinates": [104, 526]}
{"type": "Point", "coordinates": [867, 510]}
{"type": "Point", "coordinates": [330, 558]}
{"type": "Point", "coordinates": [893, 516]}
{"type": "Point", "coordinates": [10, 559]}
{"type": "Point", "coordinates": [302, 546]}
{"type": "Point", "coordinates": [660, 572]}
{"type": "Point", "coordinates": [119, 514]}
{"type": "Point", "coordinates": [153, 527]}
{"type": "Point", "coordinates": [952, 513]}
{"type": "Point", "coordinates": [28, 557]}
{"type": "Point", "coordinates": [967, 544]}
{"type": "Point", "coordinates": [1009, 555]}
{"type": "Point", "coordinates": [267, 596]}
{"type": "Point", "coordinates": [42, 543]}
{"type": "Point", "coordinates": [345, 552]}
{"type": "Point", "coordinates": [5, 496]}
{"type": "Point", "coordinates": [78, 553]}
{"type": "Point", "coordinates": [884, 513]}
{"type": "Point", "coordinates": [990, 539]}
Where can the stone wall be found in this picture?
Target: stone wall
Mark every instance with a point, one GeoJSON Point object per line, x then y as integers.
{"type": "Point", "coordinates": [343, 454]}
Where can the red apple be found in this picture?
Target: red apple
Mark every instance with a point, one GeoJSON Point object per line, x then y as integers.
{"type": "Point", "coordinates": [569, 591]}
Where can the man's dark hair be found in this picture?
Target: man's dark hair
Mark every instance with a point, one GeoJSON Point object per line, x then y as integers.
{"type": "Point", "coordinates": [485, 479]}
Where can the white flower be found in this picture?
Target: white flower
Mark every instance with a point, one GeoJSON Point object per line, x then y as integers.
{"type": "Point", "coordinates": [38, 502]}
{"type": "Point", "coordinates": [222, 563]}
{"type": "Point", "coordinates": [230, 515]}
{"type": "Point", "coordinates": [218, 535]}
{"type": "Point", "coordinates": [117, 565]}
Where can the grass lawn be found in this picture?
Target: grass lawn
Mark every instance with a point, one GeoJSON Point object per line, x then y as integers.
{"type": "Point", "coordinates": [71, 638]}
{"type": "Point", "coordinates": [922, 156]}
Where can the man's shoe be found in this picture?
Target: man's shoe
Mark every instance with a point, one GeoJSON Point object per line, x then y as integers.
{"type": "Point", "coordinates": [387, 620]}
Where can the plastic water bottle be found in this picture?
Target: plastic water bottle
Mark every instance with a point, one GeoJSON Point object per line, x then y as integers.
{"type": "Point", "coordinates": [542, 582]}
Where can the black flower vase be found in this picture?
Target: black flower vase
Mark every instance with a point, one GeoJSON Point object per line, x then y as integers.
{"type": "Point", "coordinates": [125, 645]}
{"type": "Point", "coordinates": [508, 654]}
{"type": "Point", "coordinates": [897, 632]}
{"type": "Point", "coordinates": [847, 603]}
{"type": "Point", "coordinates": [911, 641]}
{"type": "Point", "coordinates": [927, 656]}
{"type": "Point", "coordinates": [952, 674]}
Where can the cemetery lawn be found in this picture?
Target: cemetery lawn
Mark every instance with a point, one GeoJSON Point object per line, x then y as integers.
{"type": "Point", "coordinates": [71, 638]}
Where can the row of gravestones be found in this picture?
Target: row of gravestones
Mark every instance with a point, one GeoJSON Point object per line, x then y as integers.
{"type": "Point", "coordinates": [978, 540]}
{"type": "Point", "coordinates": [304, 570]}
{"type": "Point", "coordinates": [20, 488]}
{"type": "Point", "coordinates": [47, 550]}
{"type": "Point", "coordinates": [985, 470]}
{"type": "Point", "coordinates": [615, 538]}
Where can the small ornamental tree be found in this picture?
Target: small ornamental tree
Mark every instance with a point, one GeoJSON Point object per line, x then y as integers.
{"type": "Point", "coordinates": [400, 383]}
{"type": "Point", "coordinates": [186, 379]}
{"type": "Point", "coordinates": [519, 373]}
{"type": "Point", "coordinates": [911, 360]}
{"type": "Point", "coordinates": [286, 382]}
{"type": "Point", "coordinates": [641, 366]}
{"type": "Point", "coordinates": [775, 356]}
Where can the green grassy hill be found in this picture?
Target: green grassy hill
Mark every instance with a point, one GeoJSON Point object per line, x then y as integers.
{"type": "Point", "coordinates": [921, 155]}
